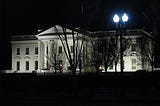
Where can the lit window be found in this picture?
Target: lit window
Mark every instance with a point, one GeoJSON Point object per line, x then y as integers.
{"type": "Point", "coordinates": [36, 65]}
{"type": "Point", "coordinates": [60, 64]}
{"type": "Point", "coordinates": [36, 50]}
{"type": "Point", "coordinates": [71, 49]}
{"type": "Point", "coordinates": [18, 65]}
{"type": "Point", "coordinates": [133, 47]}
{"type": "Point", "coordinates": [133, 63]}
{"type": "Point", "coordinates": [60, 49]}
{"type": "Point", "coordinates": [27, 65]}
{"type": "Point", "coordinates": [18, 51]}
{"type": "Point", "coordinates": [27, 51]}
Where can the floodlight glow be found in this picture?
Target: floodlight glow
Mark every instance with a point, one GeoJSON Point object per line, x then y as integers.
{"type": "Point", "coordinates": [116, 18]}
{"type": "Point", "coordinates": [124, 17]}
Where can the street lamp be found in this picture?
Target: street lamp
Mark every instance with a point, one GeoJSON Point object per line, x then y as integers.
{"type": "Point", "coordinates": [119, 25]}
{"type": "Point", "coordinates": [116, 18]}
{"type": "Point", "coordinates": [124, 17]}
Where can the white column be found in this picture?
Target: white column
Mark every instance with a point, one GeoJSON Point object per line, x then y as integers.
{"type": "Point", "coordinates": [39, 55]}
{"type": "Point", "coordinates": [45, 54]}
{"type": "Point", "coordinates": [50, 47]}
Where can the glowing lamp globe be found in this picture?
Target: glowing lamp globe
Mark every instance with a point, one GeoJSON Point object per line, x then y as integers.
{"type": "Point", "coordinates": [116, 18]}
{"type": "Point", "coordinates": [124, 17]}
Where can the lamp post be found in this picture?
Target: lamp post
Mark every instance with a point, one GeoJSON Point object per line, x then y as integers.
{"type": "Point", "coordinates": [119, 25]}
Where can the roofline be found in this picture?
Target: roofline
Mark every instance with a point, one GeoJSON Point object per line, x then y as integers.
{"type": "Point", "coordinates": [114, 31]}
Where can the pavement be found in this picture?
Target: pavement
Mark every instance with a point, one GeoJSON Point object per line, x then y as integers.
{"type": "Point", "coordinates": [111, 89]}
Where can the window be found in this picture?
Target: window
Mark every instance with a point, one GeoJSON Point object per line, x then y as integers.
{"type": "Point", "coordinates": [60, 49]}
{"type": "Point", "coordinates": [60, 64]}
{"type": "Point", "coordinates": [18, 65]}
{"type": "Point", "coordinates": [47, 64]}
{"type": "Point", "coordinates": [100, 48]}
{"type": "Point", "coordinates": [18, 51]}
{"type": "Point", "coordinates": [47, 50]}
{"type": "Point", "coordinates": [36, 50]}
{"type": "Point", "coordinates": [133, 47]}
{"type": "Point", "coordinates": [60, 61]}
{"type": "Point", "coordinates": [123, 64]}
{"type": "Point", "coordinates": [36, 65]}
{"type": "Point", "coordinates": [133, 63]}
{"type": "Point", "coordinates": [27, 65]}
{"type": "Point", "coordinates": [111, 66]}
{"type": "Point", "coordinates": [27, 51]}
{"type": "Point", "coordinates": [71, 49]}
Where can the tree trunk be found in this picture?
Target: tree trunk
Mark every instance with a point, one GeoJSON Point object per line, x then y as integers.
{"type": "Point", "coordinates": [73, 69]}
{"type": "Point", "coordinates": [152, 65]}
{"type": "Point", "coordinates": [115, 67]}
{"type": "Point", "coordinates": [105, 64]}
{"type": "Point", "coordinates": [97, 69]}
{"type": "Point", "coordinates": [55, 67]}
{"type": "Point", "coordinates": [80, 67]}
{"type": "Point", "coordinates": [106, 67]}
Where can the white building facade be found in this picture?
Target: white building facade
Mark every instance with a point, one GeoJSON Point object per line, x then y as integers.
{"type": "Point", "coordinates": [42, 51]}
{"type": "Point", "coordinates": [24, 53]}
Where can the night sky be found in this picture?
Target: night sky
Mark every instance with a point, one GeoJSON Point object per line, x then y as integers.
{"type": "Point", "coordinates": [27, 16]}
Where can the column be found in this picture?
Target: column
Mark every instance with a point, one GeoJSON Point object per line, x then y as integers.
{"type": "Point", "coordinates": [51, 55]}
{"type": "Point", "coordinates": [45, 54]}
{"type": "Point", "coordinates": [40, 55]}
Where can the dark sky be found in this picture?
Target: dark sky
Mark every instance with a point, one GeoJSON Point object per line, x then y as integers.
{"type": "Point", "coordinates": [27, 16]}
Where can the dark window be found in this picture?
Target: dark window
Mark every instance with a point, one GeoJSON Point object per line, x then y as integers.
{"type": "Point", "coordinates": [27, 51]}
{"type": "Point", "coordinates": [133, 47]}
{"type": "Point", "coordinates": [71, 49]}
{"type": "Point", "coordinates": [123, 64]}
{"type": "Point", "coordinates": [47, 49]}
{"type": "Point", "coordinates": [47, 64]}
{"type": "Point", "coordinates": [18, 65]}
{"type": "Point", "coordinates": [27, 65]}
{"type": "Point", "coordinates": [36, 65]}
{"type": "Point", "coordinates": [36, 50]}
{"type": "Point", "coordinates": [60, 49]}
{"type": "Point", "coordinates": [18, 51]}
{"type": "Point", "coordinates": [101, 45]}
{"type": "Point", "coordinates": [111, 66]}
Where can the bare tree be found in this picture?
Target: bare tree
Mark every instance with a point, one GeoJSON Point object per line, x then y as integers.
{"type": "Point", "coordinates": [95, 56]}
{"type": "Point", "coordinates": [116, 53]}
{"type": "Point", "coordinates": [109, 48]}
{"type": "Point", "coordinates": [104, 51]}
{"type": "Point", "coordinates": [126, 42]}
{"type": "Point", "coordinates": [146, 44]}
{"type": "Point", "coordinates": [52, 57]}
{"type": "Point", "coordinates": [152, 21]}
{"type": "Point", "coordinates": [74, 53]}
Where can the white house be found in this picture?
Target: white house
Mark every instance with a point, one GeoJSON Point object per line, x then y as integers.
{"type": "Point", "coordinates": [42, 51]}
